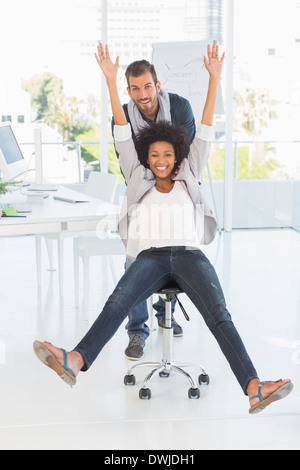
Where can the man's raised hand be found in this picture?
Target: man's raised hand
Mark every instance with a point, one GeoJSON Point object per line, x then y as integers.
{"type": "Point", "coordinates": [109, 69]}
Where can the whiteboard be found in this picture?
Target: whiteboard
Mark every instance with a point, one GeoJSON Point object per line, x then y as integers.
{"type": "Point", "coordinates": [180, 69]}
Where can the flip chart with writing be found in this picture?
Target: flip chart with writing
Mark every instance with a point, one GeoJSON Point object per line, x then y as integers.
{"type": "Point", "coordinates": [180, 69]}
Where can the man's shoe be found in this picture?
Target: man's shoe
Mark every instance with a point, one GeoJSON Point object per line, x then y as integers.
{"type": "Point", "coordinates": [135, 348]}
{"type": "Point", "coordinates": [177, 330]}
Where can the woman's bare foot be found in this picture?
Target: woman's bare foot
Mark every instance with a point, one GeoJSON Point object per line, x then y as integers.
{"type": "Point", "coordinates": [66, 365]}
{"type": "Point", "coordinates": [74, 359]}
{"type": "Point", "coordinates": [264, 393]}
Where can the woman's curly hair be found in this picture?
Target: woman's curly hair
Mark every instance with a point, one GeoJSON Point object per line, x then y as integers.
{"type": "Point", "coordinates": [162, 131]}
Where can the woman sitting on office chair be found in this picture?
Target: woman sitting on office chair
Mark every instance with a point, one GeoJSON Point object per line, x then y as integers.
{"type": "Point", "coordinates": [163, 222]}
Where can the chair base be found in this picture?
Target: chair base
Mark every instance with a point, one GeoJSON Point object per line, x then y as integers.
{"type": "Point", "coordinates": [164, 369]}
{"type": "Point", "coordinates": [167, 364]}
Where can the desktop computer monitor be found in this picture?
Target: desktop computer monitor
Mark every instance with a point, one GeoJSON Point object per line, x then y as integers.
{"type": "Point", "coordinates": [12, 162]}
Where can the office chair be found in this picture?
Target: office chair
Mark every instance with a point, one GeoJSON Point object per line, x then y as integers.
{"type": "Point", "coordinates": [167, 364]}
{"type": "Point", "coordinates": [84, 249]}
{"type": "Point", "coordinates": [99, 185]}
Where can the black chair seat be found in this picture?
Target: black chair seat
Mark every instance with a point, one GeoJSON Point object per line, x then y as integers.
{"type": "Point", "coordinates": [169, 293]}
{"type": "Point", "coordinates": [170, 289]}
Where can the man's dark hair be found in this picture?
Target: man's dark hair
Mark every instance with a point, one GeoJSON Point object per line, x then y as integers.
{"type": "Point", "coordinates": [138, 68]}
{"type": "Point", "coordinates": [162, 131]}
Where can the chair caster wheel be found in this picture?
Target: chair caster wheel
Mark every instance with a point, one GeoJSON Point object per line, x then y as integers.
{"type": "Point", "coordinates": [145, 394]}
{"type": "Point", "coordinates": [194, 393]}
{"type": "Point", "coordinates": [204, 379]}
{"type": "Point", "coordinates": [164, 374]}
{"type": "Point", "coordinates": [129, 379]}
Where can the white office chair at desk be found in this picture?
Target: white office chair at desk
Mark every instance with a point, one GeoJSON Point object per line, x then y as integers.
{"type": "Point", "coordinates": [101, 186]}
{"type": "Point", "coordinates": [84, 249]}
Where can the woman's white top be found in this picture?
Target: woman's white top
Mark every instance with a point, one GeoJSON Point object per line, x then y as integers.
{"type": "Point", "coordinates": [140, 180]}
{"type": "Point", "coordinates": [162, 219]}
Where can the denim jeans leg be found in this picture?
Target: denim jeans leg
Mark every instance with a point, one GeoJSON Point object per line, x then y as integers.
{"type": "Point", "coordinates": [197, 277]}
{"type": "Point", "coordinates": [159, 306]}
{"type": "Point", "coordinates": [138, 316]}
{"type": "Point", "coordinates": [139, 282]}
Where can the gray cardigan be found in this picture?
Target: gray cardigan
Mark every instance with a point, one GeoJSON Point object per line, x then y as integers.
{"type": "Point", "coordinates": [140, 179]}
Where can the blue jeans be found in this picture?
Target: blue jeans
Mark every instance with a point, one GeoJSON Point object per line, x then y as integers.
{"type": "Point", "coordinates": [138, 316]}
{"type": "Point", "coordinates": [152, 270]}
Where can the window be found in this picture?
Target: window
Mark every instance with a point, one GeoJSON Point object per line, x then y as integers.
{"type": "Point", "coordinates": [6, 118]}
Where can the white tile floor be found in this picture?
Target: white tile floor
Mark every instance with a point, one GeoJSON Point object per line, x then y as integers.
{"type": "Point", "coordinates": [260, 274]}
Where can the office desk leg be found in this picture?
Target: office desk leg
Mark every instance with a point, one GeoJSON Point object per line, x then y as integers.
{"type": "Point", "coordinates": [60, 248]}
{"type": "Point", "coordinates": [50, 253]}
{"type": "Point", "coordinates": [38, 249]}
{"type": "Point", "coordinates": [86, 282]}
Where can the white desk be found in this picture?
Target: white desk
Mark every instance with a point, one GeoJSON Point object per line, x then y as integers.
{"type": "Point", "coordinates": [59, 217]}
{"type": "Point", "coordinates": [52, 216]}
